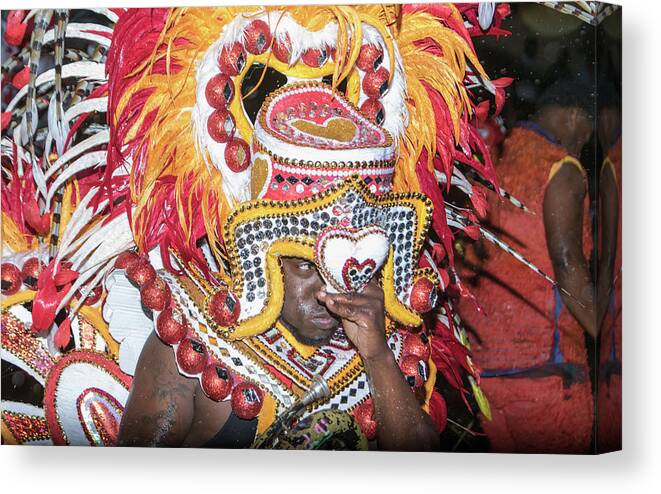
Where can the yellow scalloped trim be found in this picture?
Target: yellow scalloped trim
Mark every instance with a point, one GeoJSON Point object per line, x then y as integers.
{"type": "Point", "coordinates": [267, 414]}
{"type": "Point", "coordinates": [17, 298]}
{"type": "Point", "coordinates": [305, 350]}
{"type": "Point", "coordinates": [567, 160]}
{"type": "Point", "coordinates": [302, 247]}
{"type": "Point", "coordinates": [7, 436]}
{"type": "Point", "coordinates": [275, 281]}
{"type": "Point", "coordinates": [429, 385]}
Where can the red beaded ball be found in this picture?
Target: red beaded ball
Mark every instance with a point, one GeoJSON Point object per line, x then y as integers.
{"type": "Point", "coordinates": [282, 49]}
{"type": "Point", "coordinates": [415, 370]}
{"type": "Point", "coordinates": [417, 344]}
{"type": "Point", "coordinates": [141, 272]}
{"type": "Point", "coordinates": [232, 59]}
{"type": "Point", "coordinates": [11, 278]}
{"type": "Point", "coordinates": [191, 356]}
{"type": "Point", "coordinates": [423, 295]}
{"type": "Point", "coordinates": [216, 382]}
{"type": "Point", "coordinates": [237, 155]}
{"type": "Point", "coordinates": [155, 295]}
{"type": "Point", "coordinates": [247, 400]}
{"type": "Point", "coordinates": [373, 110]}
{"type": "Point", "coordinates": [171, 327]}
{"type": "Point", "coordinates": [220, 125]}
{"type": "Point", "coordinates": [375, 83]}
{"type": "Point", "coordinates": [363, 414]}
{"type": "Point", "coordinates": [314, 57]}
{"type": "Point", "coordinates": [370, 57]}
{"type": "Point", "coordinates": [219, 91]}
{"type": "Point", "coordinates": [224, 308]}
{"type": "Point", "coordinates": [125, 259]}
{"type": "Point", "coordinates": [257, 37]}
{"type": "Point", "coordinates": [31, 270]}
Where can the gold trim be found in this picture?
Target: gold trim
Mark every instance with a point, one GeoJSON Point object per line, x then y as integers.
{"type": "Point", "coordinates": [267, 414]}
{"type": "Point", "coordinates": [567, 160]}
{"type": "Point", "coordinates": [275, 290]}
{"type": "Point", "coordinates": [429, 385]}
{"type": "Point", "coordinates": [303, 247]}
{"type": "Point", "coordinates": [17, 298]}
{"type": "Point", "coordinates": [95, 319]}
{"type": "Point", "coordinates": [306, 351]}
{"type": "Point", "coordinates": [327, 165]}
{"type": "Point", "coordinates": [7, 436]}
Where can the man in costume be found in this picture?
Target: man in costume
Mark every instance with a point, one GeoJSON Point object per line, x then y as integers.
{"type": "Point", "coordinates": [246, 150]}
{"type": "Point", "coordinates": [344, 233]}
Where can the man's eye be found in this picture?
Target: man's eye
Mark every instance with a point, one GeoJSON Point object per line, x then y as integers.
{"type": "Point", "coordinates": [306, 266]}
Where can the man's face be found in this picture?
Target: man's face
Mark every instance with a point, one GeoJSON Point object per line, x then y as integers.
{"type": "Point", "coordinates": [302, 313]}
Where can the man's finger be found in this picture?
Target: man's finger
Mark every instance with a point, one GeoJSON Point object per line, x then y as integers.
{"type": "Point", "coordinates": [355, 299]}
{"type": "Point", "coordinates": [343, 309]}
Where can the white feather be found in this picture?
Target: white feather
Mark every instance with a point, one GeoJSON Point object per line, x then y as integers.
{"type": "Point", "coordinates": [90, 160]}
{"type": "Point", "coordinates": [85, 106]}
{"type": "Point", "coordinates": [24, 123]}
{"type": "Point", "coordinates": [97, 139]}
{"type": "Point", "coordinates": [58, 128]}
{"type": "Point", "coordinates": [85, 70]}
{"type": "Point", "coordinates": [21, 154]}
{"type": "Point", "coordinates": [96, 276]}
{"type": "Point", "coordinates": [485, 11]}
{"type": "Point", "coordinates": [109, 14]}
{"type": "Point", "coordinates": [79, 219]}
{"type": "Point", "coordinates": [78, 30]}
{"type": "Point", "coordinates": [114, 236]}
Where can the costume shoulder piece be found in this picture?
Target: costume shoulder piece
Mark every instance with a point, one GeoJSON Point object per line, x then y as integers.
{"type": "Point", "coordinates": [186, 151]}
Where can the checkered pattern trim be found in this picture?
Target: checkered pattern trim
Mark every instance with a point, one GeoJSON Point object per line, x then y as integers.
{"type": "Point", "coordinates": [224, 351]}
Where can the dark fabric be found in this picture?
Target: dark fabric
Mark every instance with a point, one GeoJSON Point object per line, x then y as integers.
{"type": "Point", "coordinates": [235, 434]}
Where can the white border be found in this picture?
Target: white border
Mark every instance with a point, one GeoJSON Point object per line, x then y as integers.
{"type": "Point", "coordinates": [106, 470]}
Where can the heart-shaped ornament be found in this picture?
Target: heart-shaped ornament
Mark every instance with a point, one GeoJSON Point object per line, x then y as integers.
{"type": "Point", "coordinates": [348, 258]}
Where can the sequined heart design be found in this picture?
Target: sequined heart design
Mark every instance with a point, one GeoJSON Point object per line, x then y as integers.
{"type": "Point", "coordinates": [348, 258]}
{"type": "Point", "coordinates": [357, 274]}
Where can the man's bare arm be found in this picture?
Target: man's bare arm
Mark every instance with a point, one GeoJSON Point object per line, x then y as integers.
{"type": "Point", "coordinates": [563, 222]}
{"type": "Point", "coordinates": [160, 408]}
{"type": "Point", "coordinates": [402, 424]}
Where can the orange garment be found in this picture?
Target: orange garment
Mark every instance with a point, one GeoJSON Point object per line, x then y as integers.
{"type": "Point", "coordinates": [516, 330]}
{"type": "Point", "coordinates": [609, 389]}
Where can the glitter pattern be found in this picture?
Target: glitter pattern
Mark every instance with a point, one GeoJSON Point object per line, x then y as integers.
{"type": "Point", "coordinates": [17, 340]}
{"type": "Point", "coordinates": [26, 428]}
{"type": "Point", "coordinates": [100, 414]}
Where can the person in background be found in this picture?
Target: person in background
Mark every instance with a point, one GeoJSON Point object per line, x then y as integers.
{"type": "Point", "coordinates": [531, 340]}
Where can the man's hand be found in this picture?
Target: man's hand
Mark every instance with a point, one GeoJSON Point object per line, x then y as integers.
{"type": "Point", "coordinates": [401, 423]}
{"type": "Point", "coordinates": [363, 318]}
